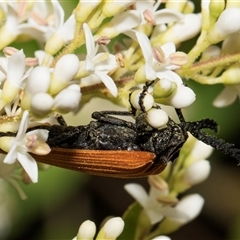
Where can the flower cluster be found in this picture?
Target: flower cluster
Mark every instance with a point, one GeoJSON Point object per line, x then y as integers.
{"type": "Point", "coordinates": [162, 206]}
{"type": "Point", "coordinates": [114, 49]}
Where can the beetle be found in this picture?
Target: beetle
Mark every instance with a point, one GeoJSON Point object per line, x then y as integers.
{"type": "Point", "coordinates": [113, 147]}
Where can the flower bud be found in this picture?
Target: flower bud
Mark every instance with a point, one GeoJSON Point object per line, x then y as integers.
{"type": "Point", "coordinates": [226, 24]}
{"type": "Point", "coordinates": [111, 229]}
{"type": "Point", "coordinates": [216, 7]}
{"type": "Point", "coordinates": [68, 99]}
{"type": "Point", "coordinates": [63, 35]}
{"type": "Point", "coordinates": [65, 69]}
{"type": "Point", "coordinates": [41, 104]}
{"type": "Point", "coordinates": [157, 118]}
{"type": "Point", "coordinates": [86, 231]}
{"type": "Point", "coordinates": [197, 172]}
{"type": "Point", "coordinates": [113, 7]}
{"type": "Point", "coordinates": [164, 88]}
{"type": "Point", "coordinates": [183, 97]}
{"type": "Point", "coordinates": [230, 76]}
{"type": "Point", "coordinates": [54, 44]}
{"type": "Point", "coordinates": [38, 80]}
{"type": "Point", "coordinates": [147, 100]}
{"type": "Point", "coordinates": [84, 9]}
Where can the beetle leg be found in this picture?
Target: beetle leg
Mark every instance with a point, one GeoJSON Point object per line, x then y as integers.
{"type": "Point", "coordinates": [103, 116]}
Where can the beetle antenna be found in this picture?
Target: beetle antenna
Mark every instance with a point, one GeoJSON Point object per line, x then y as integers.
{"type": "Point", "coordinates": [201, 124]}
{"type": "Point", "coordinates": [219, 144]}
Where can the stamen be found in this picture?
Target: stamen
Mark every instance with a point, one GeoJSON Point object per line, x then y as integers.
{"type": "Point", "coordinates": [158, 54]}
{"type": "Point", "coordinates": [178, 58]}
{"type": "Point", "coordinates": [31, 61]}
{"type": "Point", "coordinates": [120, 60]}
{"type": "Point", "coordinates": [22, 6]}
{"type": "Point", "coordinates": [104, 40]}
{"type": "Point", "coordinates": [157, 182]}
{"type": "Point", "coordinates": [149, 17]}
{"type": "Point", "coordinates": [9, 51]}
{"type": "Point", "coordinates": [31, 141]}
{"type": "Point", "coordinates": [39, 19]}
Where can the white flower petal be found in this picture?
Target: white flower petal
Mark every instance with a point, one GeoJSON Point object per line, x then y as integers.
{"type": "Point", "coordinates": [87, 230]}
{"type": "Point", "coordinates": [16, 67]}
{"type": "Point", "coordinates": [89, 40]}
{"type": "Point", "coordinates": [168, 48]}
{"type": "Point", "coordinates": [126, 20]}
{"type": "Point", "coordinates": [145, 45]}
{"type": "Point", "coordinates": [66, 31]}
{"type": "Point", "coordinates": [29, 164]}
{"type": "Point", "coordinates": [11, 157]}
{"type": "Point", "coordinates": [113, 227]}
{"type": "Point", "coordinates": [58, 13]}
{"type": "Point", "coordinates": [108, 82]}
{"type": "Point", "coordinates": [167, 16]}
{"type": "Point", "coordinates": [197, 172]}
{"type": "Point", "coordinates": [42, 135]}
{"type": "Point", "coordinates": [183, 97]}
{"type": "Point", "coordinates": [23, 126]}
{"type": "Point", "coordinates": [225, 98]}
{"type": "Point", "coordinates": [138, 193]}
{"type": "Point", "coordinates": [191, 205]}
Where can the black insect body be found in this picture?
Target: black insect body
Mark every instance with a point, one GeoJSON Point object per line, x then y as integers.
{"type": "Point", "coordinates": [117, 148]}
{"type": "Point", "coordinates": [114, 147]}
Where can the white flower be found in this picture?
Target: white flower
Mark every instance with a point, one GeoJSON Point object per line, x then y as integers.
{"type": "Point", "coordinates": [157, 203]}
{"type": "Point", "coordinates": [158, 61]}
{"type": "Point", "coordinates": [14, 69]}
{"type": "Point", "coordinates": [97, 67]}
{"type": "Point", "coordinates": [152, 15]}
{"type": "Point", "coordinates": [120, 23]}
{"type": "Point", "coordinates": [185, 29]}
{"type": "Point", "coordinates": [33, 141]}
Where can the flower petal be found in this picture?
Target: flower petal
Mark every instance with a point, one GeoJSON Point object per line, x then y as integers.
{"type": "Point", "coordinates": [16, 67]}
{"type": "Point", "coordinates": [108, 82]}
{"type": "Point", "coordinates": [167, 16]}
{"type": "Point", "coordinates": [225, 98]}
{"type": "Point", "coordinates": [42, 135]}
{"type": "Point", "coordinates": [23, 126]}
{"type": "Point", "coordinates": [29, 164]}
{"type": "Point", "coordinates": [138, 193]}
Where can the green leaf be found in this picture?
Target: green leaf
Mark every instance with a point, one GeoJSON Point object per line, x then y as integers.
{"type": "Point", "coordinates": [131, 219]}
